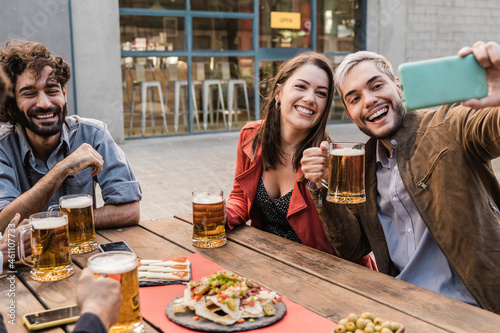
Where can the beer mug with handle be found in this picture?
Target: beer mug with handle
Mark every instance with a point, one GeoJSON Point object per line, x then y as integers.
{"type": "Point", "coordinates": [121, 266]}
{"type": "Point", "coordinates": [49, 246]}
{"type": "Point", "coordinates": [346, 181]}
{"type": "Point", "coordinates": [80, 221]}
{"type": "Point", "coordinates": [208, 219]}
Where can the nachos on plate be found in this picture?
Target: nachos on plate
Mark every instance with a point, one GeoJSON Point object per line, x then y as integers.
{"type": "Point", "coordinates": [225, 298]}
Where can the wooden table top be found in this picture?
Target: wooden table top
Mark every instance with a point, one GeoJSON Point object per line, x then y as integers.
{"type": "Point", "coordinates": [327, 285]}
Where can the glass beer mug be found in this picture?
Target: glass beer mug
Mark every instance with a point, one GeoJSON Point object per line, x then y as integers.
{"type": "Point", "coordinates": [208, 219]}
{"type": "Point", "coordinates": [346, 181]}
{"type": "Point", "coordinates": [81, 222]}
{"type": "Point", "coordinates": [49, 246]}
{"type": "Point", "coordinates": [121, 266]}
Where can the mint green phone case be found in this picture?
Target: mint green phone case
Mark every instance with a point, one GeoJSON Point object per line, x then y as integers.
{"type": "Point", "coordinates": [442, 81]}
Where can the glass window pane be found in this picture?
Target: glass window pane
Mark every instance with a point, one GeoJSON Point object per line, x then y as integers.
{"type": "Point", "coordinates": [231, 78]}
{"type": "Point", "coordinates": [222, 34]}
{"type": "Point", "coordinates": [154, 4]}
{"type": "Point", "coordinates": [339, 25]}
{"type": "Point", "coordinates": [158, 101]}
{"type": "Point", "coordinates": [236, 6]}
{"type": "Point", "coordinates": [285, 24]}
{"type": "Point", "coordinates": [152, 33]}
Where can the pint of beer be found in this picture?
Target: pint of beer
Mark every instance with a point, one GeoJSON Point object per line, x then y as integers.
{"type": "Point", "coordinates": [81, 222]}
{"type": "Point", "coordinates": [208, 219]}
{"type": "Point", "coordinates": [121, 266]}
{"type": "Point", "coordinates": [49, 246]}
{"type": "Point", "coordinates": [346, 183]}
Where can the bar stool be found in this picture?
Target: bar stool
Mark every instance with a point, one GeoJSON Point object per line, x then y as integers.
{"type": "Point", "coordinates": [232, 100]}
{"type": "Point", "coordinates": [147, 93]}
{"type": "Point", "coordinates": [207, 90]}
{"type": "Point", "coordinates": [180, 97]}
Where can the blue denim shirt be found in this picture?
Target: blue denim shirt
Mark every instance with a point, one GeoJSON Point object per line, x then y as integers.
{"type": "Point", "coordinates": [116, 180]}
{"type": "Point", "coordinates": [411, 247]}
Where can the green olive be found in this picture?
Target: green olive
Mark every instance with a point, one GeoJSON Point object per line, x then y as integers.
{"type": "Point", "coordinates": [361, 323]}
{"type": "Point", "coordinates": [229, 275]}
{"type": "Point", "coordinates": [368, 315]}
{"type": "Point", "coordinates": [269, 309]}
{"type": "Point", "coordinates": [201, 289]}
{"type": "Point", "coordinates": [231, 304]}
{"type": "Point", "coordinates": [352, 317]}
{"type": "Point", "coordinates": [340, 329]}
{"type": "Point", "coordinates": [350, 326]}
{"type": "Point", "coordinates": [395, 326]}
{"type": "Point", "coordinates": [369, 329]}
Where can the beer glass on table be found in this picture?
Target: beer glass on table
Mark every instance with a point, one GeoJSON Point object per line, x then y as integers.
{"type": "Point", "coordinates": [121, 266]}
{"type": "Point", "coordinates": [81, 222]}
{"type": "Point", "coordinates": [49, 246]}
{"type": "Point", "coordinates": [346, 184]}
{"type": "Point", "coordinates": [208, 219]}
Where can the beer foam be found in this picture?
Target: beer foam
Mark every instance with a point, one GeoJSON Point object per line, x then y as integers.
{"type": "Point", "coordinates": [206, 199]}
{"type": "Point", "coordinates": [117, 263]}
{"type": "Point", "coordinates": [49, 223]}
{"type": "Point", "coordinates": [347, 152]}
{"type": "Point", "coordinates": [77, 202]}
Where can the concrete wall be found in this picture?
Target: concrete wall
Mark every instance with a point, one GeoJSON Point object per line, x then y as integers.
{"type": "Point", "coordinates": [404, 30]}
{"type": "Point", "coordinates": [43, 21]}
{"type": "Point", "coordinates": [96, 43]}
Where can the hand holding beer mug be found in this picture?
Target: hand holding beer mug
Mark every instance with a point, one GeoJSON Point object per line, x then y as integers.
{"type": "Point", "coordinates": [49, 246]}
{"type": "Point", "coordinates": [121, 266]}
{"type": "Point", "coordinates": [81, 222]}
{"type": "Point", "coordinates": [208, 219]}
{"type": "Point", "coordinates": [346, 184]}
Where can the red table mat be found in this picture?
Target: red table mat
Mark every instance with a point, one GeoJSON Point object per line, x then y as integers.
{"type": "Point", "coordinates": [154, 301]}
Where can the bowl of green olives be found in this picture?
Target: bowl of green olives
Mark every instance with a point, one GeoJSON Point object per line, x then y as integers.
{"type": "Point", "coordinates": [367, 323]}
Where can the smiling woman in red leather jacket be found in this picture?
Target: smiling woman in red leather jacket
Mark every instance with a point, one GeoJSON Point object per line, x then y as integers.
{"type": "Point", "coordinates": [269, 188]}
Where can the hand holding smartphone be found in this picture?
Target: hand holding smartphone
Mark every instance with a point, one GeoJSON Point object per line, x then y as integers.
{"type": "Point", "coordinates": [442, 81]}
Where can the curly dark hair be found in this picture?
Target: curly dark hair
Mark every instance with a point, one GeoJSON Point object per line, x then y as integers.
{"type": "Point", "coordinates": [18, 56]}
{"type": "Point", "coordinates": [5, 87]}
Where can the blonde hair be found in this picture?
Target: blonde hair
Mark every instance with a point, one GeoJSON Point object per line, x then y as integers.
{"type": "Point", "coordinates": [354, 59]}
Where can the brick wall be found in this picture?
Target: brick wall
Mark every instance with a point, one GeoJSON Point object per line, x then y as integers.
{"type": "Point", "coordinates": [437, 28]}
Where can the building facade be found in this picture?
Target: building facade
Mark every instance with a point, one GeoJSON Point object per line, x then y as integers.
{"type": "Point", "coordinates": [174, 67]}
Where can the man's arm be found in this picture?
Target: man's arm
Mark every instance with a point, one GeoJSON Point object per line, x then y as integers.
{"type": "Point", "coordinates": [119, 215]}
{"type": "Point", "coordinates": [35, 199]}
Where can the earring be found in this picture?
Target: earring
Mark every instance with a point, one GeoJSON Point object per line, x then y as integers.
{"type": "Point", "coordinates": [277, 105]}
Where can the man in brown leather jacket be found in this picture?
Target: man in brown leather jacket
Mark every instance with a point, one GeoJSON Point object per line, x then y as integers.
{"type": "Point", "coordinates": [432, 212]}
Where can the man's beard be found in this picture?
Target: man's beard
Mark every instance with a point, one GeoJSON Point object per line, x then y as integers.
{"type": "Point", "coordinates": [400, 113]}
{"type": "Point", "coordinates": [44, 131]}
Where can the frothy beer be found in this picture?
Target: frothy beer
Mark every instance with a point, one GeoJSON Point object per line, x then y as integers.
{"type": "Point", "coordinates": [121, 266]}
{"type": "Point", "coordinates": [81, 222]}
{"type": "Point", "coordinates": [50, 248]}
{"type": "Point", "coordinates": [208, 220]}
{"type": "Point", "coordinates": [347, 174]}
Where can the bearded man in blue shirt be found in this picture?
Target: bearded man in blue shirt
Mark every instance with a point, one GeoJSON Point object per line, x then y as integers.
{"type": "Point", "coordinates": [46, 154]}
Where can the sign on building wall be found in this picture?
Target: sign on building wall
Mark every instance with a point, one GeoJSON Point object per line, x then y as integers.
{"type": "Point", "coordinates": [285, 20]}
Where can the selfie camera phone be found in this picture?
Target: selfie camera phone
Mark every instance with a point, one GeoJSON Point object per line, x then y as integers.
{"type": "Point", "coordinates": [114, 246]}
{"type": "Point", "coordinates": [442, 81]}
{"type": "Point", "coordinates": [50, 318]}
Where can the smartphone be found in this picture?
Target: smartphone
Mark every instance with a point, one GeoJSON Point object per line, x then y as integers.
{"type": "Point", "coordinates": [50, 318]}
{"type": "Point", "coordinates": [442, 81]}
{"type": "Point", "coordinates": [114, 246]}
